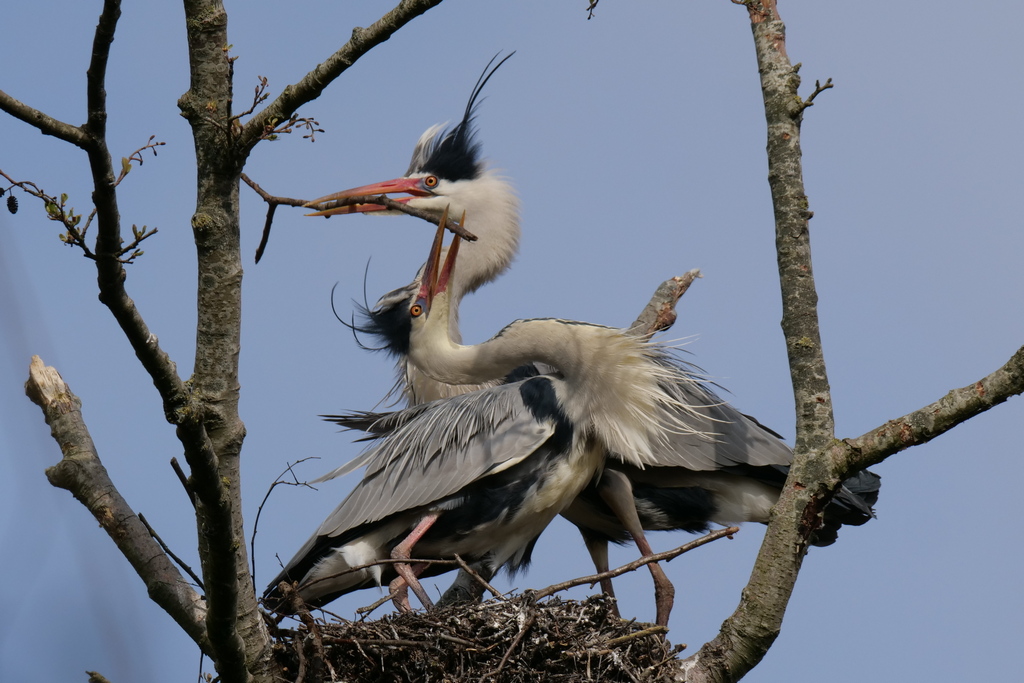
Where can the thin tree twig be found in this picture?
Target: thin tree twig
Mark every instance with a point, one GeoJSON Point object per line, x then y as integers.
{"type": "Point", "coordinates": [818, 89]}
{"type": "Point", "coordinates": [476, 576]}
{"type": "Point", "coordinates": [259, 510]}
{"type": "Point", "coordinates": [313, 84]}
{"type": "Point", "coordinates": [636, 564]}
{"type": "Point", "coordinates": [273, 200]}
{"type": "Point", "coordinates": [389, 560]}
{"type": "Point", "coordinates": [527, 625]}
{"type": "Point", "coordinates": [170, 553]}
{"type": "Point", "coordinates": [183, 478]}
{"type": "Point", "coordinates": [453, 225]}
{"type": "Point", "coordinates": [652, 631]}
{"type": "Point", "coordinates": [363, 611]}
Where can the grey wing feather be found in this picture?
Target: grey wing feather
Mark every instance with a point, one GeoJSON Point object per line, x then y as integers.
{"type": "Point", "coordinates": [378, 425]}
{"type": "Point", "coordinates": [725, 437]}
{"type": "Point", "coordinates": [448, 445]}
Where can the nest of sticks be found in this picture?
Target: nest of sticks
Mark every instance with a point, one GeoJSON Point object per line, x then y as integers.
{"type": "Point", "coordinates": [507, 639]}
{"type": "Point", "coordinates": [533, 636]}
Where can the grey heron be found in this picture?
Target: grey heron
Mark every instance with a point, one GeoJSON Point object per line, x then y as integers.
{"type": "Point", "coordinates": [481, 474]}
{"type": "Point", "coordinates": [446, 169]}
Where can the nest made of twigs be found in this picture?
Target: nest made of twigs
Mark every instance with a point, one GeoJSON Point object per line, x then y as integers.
{"type": "Point", "coordinates": [507, 640]}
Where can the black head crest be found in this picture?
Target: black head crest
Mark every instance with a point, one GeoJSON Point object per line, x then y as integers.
{"type": "Point", "coordinates": [454, 154]}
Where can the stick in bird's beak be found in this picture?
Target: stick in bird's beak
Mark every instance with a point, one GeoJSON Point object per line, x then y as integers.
{"type": "Point", "coordinates": [435, 276]}
{"type": "Point", "coordinates": [333, 204]}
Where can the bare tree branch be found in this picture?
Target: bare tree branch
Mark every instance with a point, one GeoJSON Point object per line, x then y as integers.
{"type": "Point", "coordinates": [46, 125]}
{"type": "Point", "coordinates": [934, 419]}
{"type": "Point", "coordinates": [660, 312]}
{"type": "Point", "coordinates": [96, 76]}
{"type": "Point", "coordinates": [314, 83]}
{"type": "Point", "coordinates": [81, 472]}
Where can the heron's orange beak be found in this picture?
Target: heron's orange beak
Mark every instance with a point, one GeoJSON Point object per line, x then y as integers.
{"type": "Point", "coordinates": [436, 276]}
{"type": "Point", "coordinates": [329, 205]}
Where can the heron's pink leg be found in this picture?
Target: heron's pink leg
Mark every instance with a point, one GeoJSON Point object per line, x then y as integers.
{"type": "Point", "coordinates": [616, 490]}
{"type": "Point", "coordinates": [406, 574]}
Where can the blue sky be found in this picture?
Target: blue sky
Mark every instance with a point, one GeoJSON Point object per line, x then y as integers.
{"type": "Point", "coordinates": [636, 143]}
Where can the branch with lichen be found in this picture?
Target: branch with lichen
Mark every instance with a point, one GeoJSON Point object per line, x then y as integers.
{"type": "Point", "coordinates": [820, 462]}
{"type": "Point", "coordinates": [211, 428]}
{"type": "Point", "coordinates": [924, 424]}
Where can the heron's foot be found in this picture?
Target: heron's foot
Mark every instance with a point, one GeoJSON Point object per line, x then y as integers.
{"type": "Point", "coordinates": [407, 575]}
{"type": "Point", "coordinates": [664, 595]}
{"type": "Point", "coordinates": [400, 589]}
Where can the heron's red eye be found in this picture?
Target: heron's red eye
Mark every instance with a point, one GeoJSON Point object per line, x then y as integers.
{"type": "Point", "coordinates": [416, 310]}
{"type": "Point", "coordinates": [430, 181]}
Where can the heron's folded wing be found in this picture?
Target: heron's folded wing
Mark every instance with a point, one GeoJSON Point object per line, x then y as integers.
{"type": "Point", "coordinates": [448, 445]}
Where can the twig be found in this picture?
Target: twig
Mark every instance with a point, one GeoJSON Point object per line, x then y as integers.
{"type": "Point", "coordinates": [671, 656]}
{"type": "Point", "coordinates": [362, 611]}
{"type": "Point", "coordinates": [259, 510]}
{"type": "Point", "coordinates": [183, 478]}
{"type": "Point", "coordinates": [273, 201]}
{"type": "Point", "coordinates": [180, 563]}
{"type": "Point", "coordinates": [456, 640]}
{"type": "Point", "coordinates": [136, 156]}
{"type": "Point", "coordinates": [361, 567]}
{"type": "Point", "coordinates": [392, 642]}
{"type": "Point", "coordinates": [635, 564]}
{"type": "Point", "coordinates": [272, 204]}
{"type": "Point", "coordinates": [652, 631]}
{"type": "Point", "coordinates": [818, 89]}
{"type": "Point", "coordinates": [57, 209]}
{"type": "Point", "coordinates": [393, 205]}
{"type": "Point", "coordinates": [527, 625]}
{"type": "Point", "coordinates": [300, 676]}
{"type": "Point", "coordinates": [481, 580]}
{"type": "Point", "coordinates": [615, 642]}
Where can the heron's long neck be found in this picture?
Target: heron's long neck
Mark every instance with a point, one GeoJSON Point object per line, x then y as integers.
{"type": "Point", "coordinates": [588, 356]}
